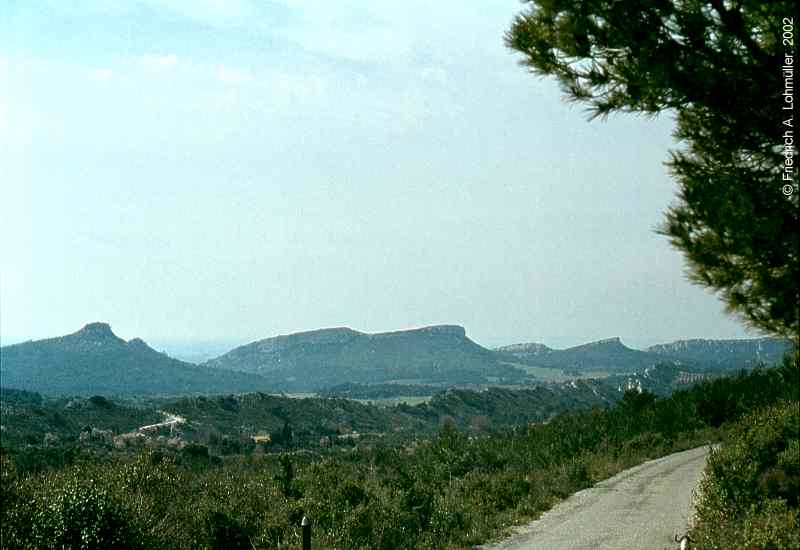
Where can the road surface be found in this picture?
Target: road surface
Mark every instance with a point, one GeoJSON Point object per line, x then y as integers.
{"type": "Point", "coordinates": [641, 508]}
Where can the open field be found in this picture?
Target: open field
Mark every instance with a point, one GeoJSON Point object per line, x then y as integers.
{"type": "Point", "coordinates": [548, 374]}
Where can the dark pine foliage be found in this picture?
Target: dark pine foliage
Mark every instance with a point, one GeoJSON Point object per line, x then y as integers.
{"type": "Point", "coordinates": [717, 65]}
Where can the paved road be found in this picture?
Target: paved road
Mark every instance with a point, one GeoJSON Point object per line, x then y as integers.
{"type": "Point", "coordinates": [641, 508]}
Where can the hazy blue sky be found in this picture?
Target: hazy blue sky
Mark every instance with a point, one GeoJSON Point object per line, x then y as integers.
{"type": "Point", "coordinates": [204, 169]}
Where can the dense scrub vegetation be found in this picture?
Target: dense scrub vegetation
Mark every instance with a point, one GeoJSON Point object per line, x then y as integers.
{"type": "Point", "coordinates": [34, 424]}
{"type": "Point", "coordinates": [28, 416]}
{"type": "Point", "coordinates": [749, 496]}
{"type": "Point", "coordinates": [31, 420]}
{"type": "Point", "coordinates": [353, 390]}
{"type": "Point", "coordinates": [450, 491]}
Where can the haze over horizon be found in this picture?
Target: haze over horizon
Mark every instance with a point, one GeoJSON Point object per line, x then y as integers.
{"type": "Point", "coordinates": [206, 171]}
{"type": "Point", "coordinates": [182, 348]}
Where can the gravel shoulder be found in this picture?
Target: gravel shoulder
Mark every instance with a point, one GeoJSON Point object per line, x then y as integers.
{"type": "Point", "coordinates": [640, 508]}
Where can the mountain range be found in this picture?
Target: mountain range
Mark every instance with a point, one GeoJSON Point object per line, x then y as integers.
{"type": "Point", "coordinates": [611, 355]}
{"type": "Point", "coordinates": [725, 354]}
{"type": "Point", "coordinates": [94, 360]}
{"type": "Point", "coordinates": [313, 360]}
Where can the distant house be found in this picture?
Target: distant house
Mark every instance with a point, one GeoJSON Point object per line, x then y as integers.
{"type": "Point", "coordinates": [261, 438]}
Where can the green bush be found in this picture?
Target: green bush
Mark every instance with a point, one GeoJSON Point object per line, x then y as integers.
{"type": "Point", "coordinates": [578, 473]}
{"type": "Point", "coordinates": [770, 526]}
{"type": "Point", "coordinates": [749, 494]}
{"type": "Point", "coordinates": [225, 533]}
{"type": "Point", "coordinates": [84, 517]}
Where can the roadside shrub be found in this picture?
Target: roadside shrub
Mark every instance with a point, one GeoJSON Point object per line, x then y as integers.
{"type": "Point", "coordinates": [578, 473]}
{"type": "Point", "coordinates": [419, 502]}
{"type": "Point", "coordinates": [380, 526]}
{"type": "Point", "coordinates": [448, 520]}
{"type": "Point", "coordinates": [8, 477]}
{"type": "Point", "coordinates": [647, 444]}
{"type": "Point", "coordinates": [353, 495]}
{"type": "Point", "coordinates": [225, 533]}
{"type": "Point", "coordinates": [84, 517]}
{"type": "Point", "coordinates": [749, 494]}
{"type": "Point", "coordinates": [769, 526]}
{"type": "Point", "coordinates": [286, 478]}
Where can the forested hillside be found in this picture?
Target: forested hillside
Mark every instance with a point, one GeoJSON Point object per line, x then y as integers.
{"type": "Point", "coordinates": [448, 490]}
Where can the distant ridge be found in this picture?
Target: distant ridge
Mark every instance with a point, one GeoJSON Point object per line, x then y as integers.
{"type": "Point", "coordinates": [612, 355]}
{"type": "Point", "coordinates": [740, 353]}
{"type": "Point", "coordinates": [440, 354]}
{"type": "Point", "coordinates": [607, 355]}
{"type": "Point", "coordinates": [94, 360]}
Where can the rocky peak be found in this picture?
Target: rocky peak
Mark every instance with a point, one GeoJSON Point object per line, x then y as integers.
{"type": "Point", "coordinates": [529, 348]}
{"type": "Point", "coordinates": [96, 331]}
{"type": "Point", "coordinates": [607, 343]}
{"type": "Point", "coordinates": [94, 336]}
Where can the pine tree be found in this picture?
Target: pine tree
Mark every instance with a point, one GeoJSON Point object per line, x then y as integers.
{"type": "Point", "coordinates": [716, 64]}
